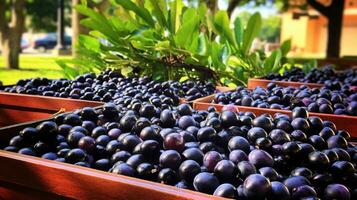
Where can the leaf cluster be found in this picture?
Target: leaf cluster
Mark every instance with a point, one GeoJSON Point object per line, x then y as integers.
{"type": "Point", "coordinates": [169, 40]}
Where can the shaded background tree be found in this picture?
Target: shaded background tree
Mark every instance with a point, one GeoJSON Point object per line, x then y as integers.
{"type": "Point", "coordinates": [44, 20]}
{"type": "Point", "coordinates": [12, 25]}
{"type": "Point", "coordinates": [332, 10]}
{"type": "Point", "coordinates": [77, 28]}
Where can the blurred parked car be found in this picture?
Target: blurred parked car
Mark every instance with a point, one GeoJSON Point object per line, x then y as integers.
{"type": "Point", "coordinates": [49, 41]}
{"type": "Point", "coordinates": [24, 44]}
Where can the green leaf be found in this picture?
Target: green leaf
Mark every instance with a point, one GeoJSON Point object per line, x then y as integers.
{"type": "Point", "coordinates": [221, 23]}
{"type": "Point", "coordinates": [307, 67]}
{"type": "Point", "coordinates": [89, 42]}
{"type": "Point", "coordinates": [185, 33]}
{"type": "Point", "coordinates": [175, 13]}
{"type": "Point", "coordinates": [215, 55]}
{"type": "Point", "coordinates": [285, 47]}
{"type": "Point", "coordinates": [126, 70]}
{"type": "Point", "coordinates": [158, 12]}
{"type": "Point", "coordinates": [140, 11]}
{"type": "Point", "coordinates": [202, 44]}
{"type": "Point", "coordinates": [272, 63]}
{"type": "Point", "coordinates": [68, 71]}
{"type": "Point", "coordinates": [238, 31]}
{"type": "Point", "coordinates": [251, 32]}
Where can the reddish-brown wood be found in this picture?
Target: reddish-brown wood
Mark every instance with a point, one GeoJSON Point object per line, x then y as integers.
{"type": "Point", "coordinates": [223, 89]}
{"type": "Point", "coordinates": [218, 89]}
{"type": "Point", "coordinates": [19, 108]}
{"type": "Point", "coordinates": [343, 122]}
{"type": "Point", "coordinates": [12, 191]}
{"type": "Point", "coordinates": [83, 183]}
{"type": "Point", "coordinates": [254, 82]}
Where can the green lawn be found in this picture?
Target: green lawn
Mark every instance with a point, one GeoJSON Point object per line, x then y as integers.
{"type": "Point", "coordinates": [32, 66]}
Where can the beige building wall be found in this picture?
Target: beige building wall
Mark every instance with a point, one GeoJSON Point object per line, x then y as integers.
{"type": "Point", "coordinates": [309, 34]}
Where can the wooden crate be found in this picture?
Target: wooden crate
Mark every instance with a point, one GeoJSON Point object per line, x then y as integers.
{"type": "Point", "coordinates": [23, 175]}
{"type": "Point", "coordinates": [342, 122]}
{"type": "Point", "coordinates": [19, 108]}
{"type": "Point", "coordinates": [254, 82]}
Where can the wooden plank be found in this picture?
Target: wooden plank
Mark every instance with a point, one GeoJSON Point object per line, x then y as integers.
{"type": "Point", "coordinates": [342, 122]}
{"type": "Point", "coordinates": [83, 183]}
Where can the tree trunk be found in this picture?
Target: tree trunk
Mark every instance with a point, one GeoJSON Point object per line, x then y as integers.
{"type": "Point", "coordinates": [10, 50]}
{"type": "Point", "coordinates": [335, 19]}
{"type": "Point", "coordinates": [334, 14]}
{"type": "Point", "coordinates": [77, 28]}
{"type": "Point", "coordinates": [11, 33]}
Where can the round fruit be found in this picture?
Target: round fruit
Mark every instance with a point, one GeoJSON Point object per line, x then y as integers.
{"type": "Point", "coordinates": [205, 182]}
{"type": "Point", "coordinates": [256, 186]}
{"type": "Point", "coordinates": [170, 159]}
{"type": "Point", "coordinates": [226, 190]}
{"type": "Point", "coordinates": [174, 141]}
{"type": "Point", "coordinates": [278, 191]}
{"type": "Point", "coordinates": [188, 170]}
{"type": "Point", "coordinates": [75, 155]}
{"type": "Point", "coordinates": [167, 176]}
{"type": "Point", "coordinates": [211, 159]}
{"type": "Point", "coordinates": [240, 143]}
{"type": "Point", "coordinates": [336, 191]}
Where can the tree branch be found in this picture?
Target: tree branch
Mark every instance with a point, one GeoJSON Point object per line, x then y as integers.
{"type": "Point", "coordinates": [319, 7]}
{"type": "Point", "coordinates": [18, 16]}
{"type": "Point", "coordinates": [231, 6]}
{"type": "Point", "coordinates": [3, 21]}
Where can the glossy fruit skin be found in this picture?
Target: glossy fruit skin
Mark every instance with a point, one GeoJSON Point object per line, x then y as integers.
{"type": "Point", "coordinates": [278, 191]}
{"type": "Point", "coordinates": [47, 131]}
{"type": "Point", "coordinates": [256, 186]}
{"type": "Point", "coordinates": [263, 122]}
{"type": "Point", "coordinates": [27, 151]}
{"type": "Point", "coordinates": [228, 118]}
{"type": "Point", "coordinates": [245, 169]}
{"type": "Point", "coordinates": [170, 159]}
{"type": "Point", "coordinates": [255, 133]}
{"type": "Point", "coordinates": [295, 181]}
{"type": "Point", "coordinates": [228, 153]}
{"type": "Point", "coordinates": [304, 191]}
{"type": "Point", "coordinates": [29, 134]}
{"type": "Point", "coordinates": [336, 141]}
{"type": "Point", "coordinates": [302, 171]}
{"type": "Point", "coordinates": [226, 190]}
{"type": "Point", "coordinates": [318, 160]}
{"type": "Point", "coordinates": [124, 169]}
{"type": "Point", "coordinates": [75, 155]}
{"type": "Point", "coordinates": [188, 170]}
{"type": "Point", "coordinates": [342, 169]}
{"type": "Point", "coordinates": [237, 156]}
{"type": "Point", "coordinates": [336, 191]}
{"type": "Point", "coordinates": [269, 173]}
{"type": "Point", "coordinates": [225, 171]}
{"type": "Point", "coordinates": [167, 176]}
{"type": "Point", "coordinates": [193, 154]}
{"type": "Point", "coordinates": [87, 143]}
{"type": "Point", "coordinates": [174, 141]}
{"type": "Point", "coordinates": [186, 121]}
{"type": "Point", "coordinates": [147, 171]}
{"type": "Point", "coordinates": [49, 156]}
{"type": "Point", "coordinates": [211, 159]}
{"type": "Point", "coordinates": [238, 142]}
{"type": "Point", "coordinates": [206, 134]}
{"type": "Point", "coordinates": [205, 182]}
{"type": "Point", "coordinates": [260, 158]}
{"type": "Point", "coordinates": [102, 164]}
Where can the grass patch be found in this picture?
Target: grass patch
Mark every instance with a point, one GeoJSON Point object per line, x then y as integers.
{"type": "Point", "coordinates": [32, 66]}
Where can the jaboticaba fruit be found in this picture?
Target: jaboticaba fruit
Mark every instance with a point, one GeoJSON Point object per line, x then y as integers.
{"type": "Point", "coordinates": [229, 154]}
